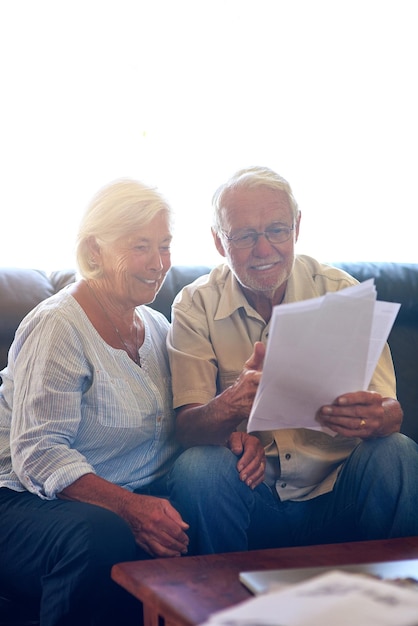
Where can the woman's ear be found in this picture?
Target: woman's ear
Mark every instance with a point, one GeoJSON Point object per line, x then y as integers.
{"type": "Point", "coordinates": [94, 250]}
{"type": "Point", "coordinates": [218, 243]}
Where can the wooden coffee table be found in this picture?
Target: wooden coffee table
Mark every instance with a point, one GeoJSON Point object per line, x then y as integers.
{"type": "Point", "coordinates": [184, 591]}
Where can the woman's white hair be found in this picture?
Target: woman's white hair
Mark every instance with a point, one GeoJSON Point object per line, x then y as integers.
{"type": "Point", "coordinates": [115, 211]}
{"type": "Point", "coordinates": [249, 178]}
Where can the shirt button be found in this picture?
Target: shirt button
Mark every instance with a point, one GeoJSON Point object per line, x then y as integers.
{"type": "Point", "coordinates": [288, 456]}
{"type": "Point", "coordinates": [283, 485]}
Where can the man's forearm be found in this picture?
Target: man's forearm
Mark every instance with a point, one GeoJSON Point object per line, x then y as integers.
{"type": "Point", "coordinates": [208, 424]}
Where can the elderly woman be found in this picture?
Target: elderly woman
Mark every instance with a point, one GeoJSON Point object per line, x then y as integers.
{"type": "Point", "coordinates": [86, 406]}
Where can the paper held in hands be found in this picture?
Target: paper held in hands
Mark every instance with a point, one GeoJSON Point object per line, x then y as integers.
{"type": "Point", "coordinates": [317, 350]}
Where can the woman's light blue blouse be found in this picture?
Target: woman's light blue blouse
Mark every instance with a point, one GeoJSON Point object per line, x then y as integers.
{"type": "Point", "coordinates": [74, 405]}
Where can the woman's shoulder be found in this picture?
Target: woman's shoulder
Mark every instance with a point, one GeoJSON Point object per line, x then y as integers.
{"type": "Point", "coordinates": [59, 305]}
{"type": "Point", "coordinates": [58, 312]}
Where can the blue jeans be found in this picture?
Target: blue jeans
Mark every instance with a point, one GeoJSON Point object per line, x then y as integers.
{"type": "Point", "coordinates": [375, 497]}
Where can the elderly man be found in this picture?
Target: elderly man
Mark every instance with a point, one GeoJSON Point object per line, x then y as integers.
{"type": "Point", "coordinates": [290, 486]}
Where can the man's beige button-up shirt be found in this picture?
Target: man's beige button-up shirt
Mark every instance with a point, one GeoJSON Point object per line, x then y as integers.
{"type": "Point", "coordinates": [212, 335]}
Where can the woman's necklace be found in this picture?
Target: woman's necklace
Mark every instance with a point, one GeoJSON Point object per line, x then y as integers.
{"type": "Point", "coordinates": [134, 355]}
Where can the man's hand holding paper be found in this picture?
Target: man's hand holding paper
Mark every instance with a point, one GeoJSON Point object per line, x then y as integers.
{"type": "Point", "coordinates": [322, 353]}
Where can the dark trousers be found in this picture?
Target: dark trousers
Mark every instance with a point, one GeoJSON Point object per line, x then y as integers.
{"type": "Point", "coordinates": [59, 554]}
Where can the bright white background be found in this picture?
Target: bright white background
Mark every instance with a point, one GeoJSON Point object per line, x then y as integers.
{"type": "Point", "coordinates": [181, 93]}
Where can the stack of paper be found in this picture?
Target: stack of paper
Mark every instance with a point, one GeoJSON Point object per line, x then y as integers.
{"type": "Point", "coordinates": [337, 598]}
{"type": "Point", "coordinates": [317, 350]}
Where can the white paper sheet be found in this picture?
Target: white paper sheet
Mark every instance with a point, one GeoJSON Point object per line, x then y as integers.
{"type": "Point", "coordinates": [337, 598]}
{"type": "Point", "coordinates": [318, 349]}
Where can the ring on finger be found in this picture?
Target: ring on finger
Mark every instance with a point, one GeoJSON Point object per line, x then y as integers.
{"type": "Point", "coordinates": [362, 423]}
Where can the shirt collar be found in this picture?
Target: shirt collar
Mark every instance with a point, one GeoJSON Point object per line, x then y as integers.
{"type": "Point", "coordinates": [232, 298]}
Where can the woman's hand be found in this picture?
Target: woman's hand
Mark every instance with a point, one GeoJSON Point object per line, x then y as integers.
{"type": "Point", "coordinates": [157, 527]}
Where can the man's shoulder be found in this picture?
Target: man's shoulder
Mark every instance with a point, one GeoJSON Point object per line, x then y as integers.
{"type": "Point", "coordinates": [211, 283]}
{"type": "Point", "coordinates": [312, 278]}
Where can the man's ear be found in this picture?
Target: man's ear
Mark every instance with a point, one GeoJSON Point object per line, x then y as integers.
{"type": "Point", "coordinates": [297, 226]}
{"type": "Point", "coordinates": [218, 243]}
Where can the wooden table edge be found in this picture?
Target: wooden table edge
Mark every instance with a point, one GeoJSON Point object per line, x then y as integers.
{"type": "Point", "coordinates": [151, 587]}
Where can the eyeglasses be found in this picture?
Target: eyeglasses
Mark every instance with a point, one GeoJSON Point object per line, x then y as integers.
{"type": "Point", "coordinates": [248, 238]}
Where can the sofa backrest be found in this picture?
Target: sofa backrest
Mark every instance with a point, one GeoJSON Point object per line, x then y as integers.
{"type": "Point", "coordinates": [22, 289]}
{"type": "Point", "coordinates": [398, 282]}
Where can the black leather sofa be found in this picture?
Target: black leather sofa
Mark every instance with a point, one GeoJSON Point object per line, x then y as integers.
{"type": "Point", "coordinates": [22, 289]}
